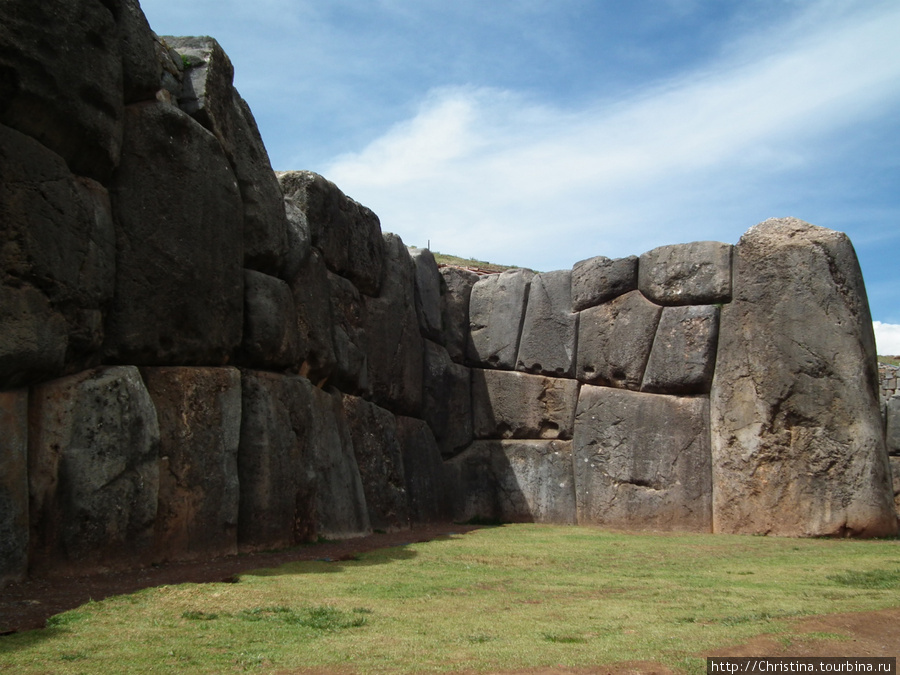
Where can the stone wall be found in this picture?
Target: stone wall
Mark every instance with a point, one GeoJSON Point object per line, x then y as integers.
{"type": "Point", "coordinates": [199, 356]}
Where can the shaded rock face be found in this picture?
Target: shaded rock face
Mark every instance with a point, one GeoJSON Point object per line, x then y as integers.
{"type": "Point", "coordinates": [311, 289]}
{"type": "Point", "coordinates": [457, 284]}
{"type": "Point", "coordinates": [423, 472]}
{"type": "Point", "coordinates": [57, 259]}
{"type": "Point", "coordinates": [199, 416]}
{"type": "Point", "coordinates": [13, 486]}
{"type": "Point", "coordinates": [178, 292]}
{"type": "Point", "coordinates": [892, 425]}
{"type": "Point", "coordinates": [514, 481]}
{"type": "Point", "coordinates": [447, 400]}
{"type": "Point", "coordinates": [270, 338]}
{"type": "Point", "coordinates": [379, 455]}
{"type": "Point", "coordinates": [428, 294]}
{"type": "Point", "coordinates": [642, 460]}
{"type": "Point", "coordinates": [793, 454]}
{"type": "Point", "coordinates": [93, 469]}
{"type": "Point", "coordinates": [351, 373]}
{"type": "Point", "coordinates": [496, 309]}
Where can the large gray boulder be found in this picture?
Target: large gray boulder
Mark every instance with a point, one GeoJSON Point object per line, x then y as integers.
{"type": "Point", "coordinates": [93, 470]}
{"type": "Point", "coordinates": [642, 461]}
{"type": "Point", "coordinates": [199, 415]}
{"type": "Point", "coordinates": [547, 345]}
{"type": "Point", "coordinates": [298, 474]}
{"type": "Point", "coordinates": [179, 279]}
{"type": "Point", "coordinates": [270, 339]}
{"type": "Point", "coordinates": [373, 431]}
{"type": "Point", "coordinates": [496, 309]}
{"type": "Point", "coordinates": [687, 274]}
{"type": "Point", "coordinates": [13, 486]}
{"type": "Point", "coordinates": [347, 233]}
{"type": "Point", "coordinates": [683, 356]}
{"type": "Point", "coordinates": [62, 80]}
{"type": "Point", "coordinates": [447, 400]}
{"type": "Point", "coordinates": [428, 293]}
{"type": "Point", "coordinates": [615, 339]}
{"type": "Point", "coordinates": [601, 279]}
{"type": "Point", "coordinates": [58, 262]}
{"type": "Point", "coordinates": [895, 471]}
{"type": "Point", "coordinates": [457, 285]}
{"type": "Point", "coordinates": [514, 481]}
{"type": "Point", "coordinates": [208, 95]}
{"type": "Point", "coordinates": [798, 443]}
{"type": "Point", "coordinates": [142, 70]}
{"type": "Point", "coordinates": [348, 311]}
{"type": "Point", "coordinates": [395, 345]}
{"type": "Point", "coordinates": [518, 405]}
{"type": "Point", "coordinates": [312, 290]}
{"type": "Point", "coordinates": [423, 471]}
{"type": "Point", "coordinates": [892, 424]}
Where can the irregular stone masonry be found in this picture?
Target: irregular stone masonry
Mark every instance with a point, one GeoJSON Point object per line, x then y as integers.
{"type": "Point", "coordinates": [199, 356]}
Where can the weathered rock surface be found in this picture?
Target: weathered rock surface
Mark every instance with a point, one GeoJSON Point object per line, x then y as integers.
{"type": "Point", "coordinates": [379, 456]}
{"type": "Point", "coordinates": [179, 281]}
{"type": "Point", "coordinates": [496, 310]}
{"type": "Point", "coordinates": [61, 79]}
{"type": "Point", "coordinates": [798, 446]}
{"type": "Point", "coordinates": [687, 274]}
{"type": "Point", "coordinates": [683, 357]}
{"type": "Point", "coordinates": [347, 233]}
{"type": "Point", "coordinates": [312, 298]}
{"type": "Point", "coordinates": [208, 95]}
{"type": "Point", "coordinates": [600, 279]}
{"type": "Point", "coordinates": [199, 416]}
{"type": "Point", "coordinates": [57, 255]}
{"type": "Point", "coordinates": [615, 339]}
{"type": "Point", "coordinates": [351, 373]}
{"type": "Point", "coordinates": [395, 346]}
{"type": "Point", "coordinates": [423, 471]}
{"type": "Point", "coordinates": [514, 481]}
{"type": "Point", "coordinates": [13, 486]}
{"type": "Point", "coordinates": [518, 405]}
{"type": "Point", "coordinates": [447, 400]}
{"type": "Point", "coordinates": [892, 425]}
{"type": "Point", "coordinates": [93, 469]}
{"type": "Point", "coordinates": [895, 470]}
{"type": "Point", "coordinates": [642, 460]}
{"type": "Point", "coordinates": [457, 286]}
{"type": "Point", "coordinates": [428, 294]}
{"type": "Point", "coordinates": [270, 339]}
{"type": "Point", "coordinates": [141, 68]}
{"type": "Point", "coordinates": [547, 344]}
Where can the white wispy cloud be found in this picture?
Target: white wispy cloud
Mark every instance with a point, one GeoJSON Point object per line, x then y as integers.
{"type": "Point", "coordinates": [887, 338]}
{"type": "Point", "coordinates": [499, 175]}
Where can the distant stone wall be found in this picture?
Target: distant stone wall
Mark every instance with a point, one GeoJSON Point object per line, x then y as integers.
{"type": "Point", "coordinates": [199, 356]}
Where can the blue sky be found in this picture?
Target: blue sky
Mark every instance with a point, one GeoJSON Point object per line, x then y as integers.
{"type": "Point", "coordinates": [542, 132]}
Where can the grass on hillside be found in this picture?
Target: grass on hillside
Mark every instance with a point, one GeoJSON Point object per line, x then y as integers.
{"type": "Point", "coordinates": [446, 259]}
{"type": "Point", "coordinates": [890, 360]}
{"type": "Point", "coordinates": [505, 597]}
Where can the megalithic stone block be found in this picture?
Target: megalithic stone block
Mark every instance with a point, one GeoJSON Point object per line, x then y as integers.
{"type": "Point", "coordinates": [458, 285]}
{"type": "Point", "coordinates": [496, 309]}
{"type": "Point", "coordinates": [601, 279]}
{"type": "Point", "coordinates": [13, 486]}
{"type": "Point", "coordinates": [550, 328]}
{"type": "Point", "coordinates": [798, 443]}
{"type": "Point", "coordinates": [428, 294]}
{"type": "Point", "coordinates": [683, 357]}
{"type": "Point", "coordinates": [698, 273]}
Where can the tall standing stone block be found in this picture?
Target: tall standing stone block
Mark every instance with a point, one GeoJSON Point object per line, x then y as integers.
{"type": "Point", "coordinates": [518, 405]}
{"type": "Point", "coordinates": [547, 345]}
{"type": "Point", "coordinates": [458, 285]}
{"type": "Point", "coordinates": [379, 456]}
{"type": "Point", "coordinates": [271, 339]}
{"type": "Point", "coordinates": [428, 294]}
{"type": "Point", "coordinates": [615, 339]}
{"type": "Point", "coordinates": [514, 481]}
{"type": "Point", "coordinates": [351, 373]}
{"type": "Point", "coordinates": [601, 279]}
{"type": "Point", "coordinates": [496, 310]}
{"type": "Point", "coordinates": [684, 351]}
{"type": "Point", "coordinates": [687, 274]}
{"type": "Point", "coordinates": [199, 415]}
{"type": "Point", "coordinates": [892, 425]}
{"type": "Point", "coordinates": [642, 460]}
{"type": "Point", "coordinates": [447, 400]}
{"type": "Point", "coordinates": [395, 345]}
{"type": "Point", "coordinates": [347, 233]}
{"type": "Point", "coordinates": [179, 253]}
{"type": "Point", "coordinates": [423, 471]}
{"type": "Point", "coordinates": [312, 290]}
{"type": "Point", "coordinates": [93, 469]}
{"type": "Point", "coordinates": [13, 486]}
{"type": "Point", "coordinates": [798, 443]}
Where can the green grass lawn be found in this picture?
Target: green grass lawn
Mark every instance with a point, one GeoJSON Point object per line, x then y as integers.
{"type": "Point", "coordinates": [505, 597]}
